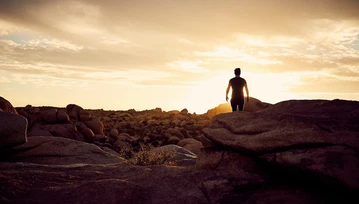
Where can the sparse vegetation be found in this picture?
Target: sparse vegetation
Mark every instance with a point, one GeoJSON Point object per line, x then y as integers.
{"type": "Point", "coordinates": [144, 157]}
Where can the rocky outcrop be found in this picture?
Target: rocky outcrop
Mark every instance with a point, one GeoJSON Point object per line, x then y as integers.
{"type": "Point", "coordinates": [32, 114]}
{"type": "Point", "coordinates": [6, 106]}
{"type": "Point", "coordinates": [101, 183]}
{"type": "Point", "coordinates": [292, 152]}
{"type": "Point", "coordinates": [95, 125]}
{"type": "Point", "coordinates": [253, 105]}
{"type": "Point", "coordinates": [77, 113]}
{"type": "Point", "coordinates": [37, 130]}
{"type": "Point", "coordinates": [65, 130]}
{"type": "Point", "coordinates": [54, 115]}
{"type": "Point", "coordinates": [338, 162]}
{"type": "Point", "coordinates": [288, 125]}
{"type": "Point", "coordinates": [13, 129]}
{"type": "Point", "coordinates": [60, 151]}
{"type": "Point", "coordinates": [49, 116]}
{"type": "Point", "coordinates": [103, 128]}
{"type": "Point", "coordinates": [49, 121]}
{"type": "Point", "coordinates": [299, 143]}
{"type": "Point", "coordinates": [191, 144]}
{"type": "Point", "coordinates": [62, 116]}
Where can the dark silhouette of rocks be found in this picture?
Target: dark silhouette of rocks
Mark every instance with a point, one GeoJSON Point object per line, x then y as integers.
{"type": "Point", "coordinates": [61, 151]}
{"type": "Point", "coordinates": [6, 106]}
{"type": "Point", "coordinates": [13, 129]}
{"type": "Point", "coordinates": [116, 129]}
{"type": "Point", "coordinates": [253, 105]}
{"type": "Point", "coordinates": [313, 139]}
{"type": "Point", "coordinates": [286, 124]}
{"type": "Point", "coordinates": [298, 151]}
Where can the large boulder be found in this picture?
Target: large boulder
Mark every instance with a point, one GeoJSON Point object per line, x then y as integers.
{"type": "Point", "coordinates": [62, 116]}
{"type": "Point", "coordinates": [88, 134]}
{"type": "Point", "coordinates": [54, 115]}
{"type": "Point", "coordinates": [95, 125]}
{"type": "Point", "coordinates": [173, 140]}
{"type": "Point", "coordinates": [32, 114]}
{"type": "Point", "coordinates": [339, 162]}
{"type": "Point", "coordinates": [13, 129]}
{"type": "Point", "coordinates": [61, 151]}
{"type": "Point", "coordinates": [316, 137]}
{"type": "Point", "coordinates": [191, 145]}
{"type": "Point", "coordinates": [65, 130]}
{"type": "Point", "coordinates": [39, 130]}
{"type": "Point", "coordinates": [170, 132]}
{"type": "Point", "coordinates": [113, 134]}
{"type": "Point", "coordinates": [108, 183]}
{"type": "Point", "coordinates": [84, 115]}
{"type": "Point", "coordinates": [229, 177]}
{"type": "Point", "coordinates": [77, 112]}
{"type": "Point", "coordinates": [288, 124]}
{"type": "Point", "coordinates": [49, 116]}
{"type": "Point", "coordinates": [184, 111]}
{"type": "Point", "coordinates": [202, 124]}
{"type": "Point", "coordinates": [6, 106]}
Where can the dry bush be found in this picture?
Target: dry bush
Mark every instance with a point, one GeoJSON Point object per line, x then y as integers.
{"type": "Point", "coordinates": [145, 157]}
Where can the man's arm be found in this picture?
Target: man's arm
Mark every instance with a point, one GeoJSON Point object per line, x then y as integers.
{"type": "Point", "coordinates": [245, 86]}
{"type": "Point", "coordinates": [227, 91]}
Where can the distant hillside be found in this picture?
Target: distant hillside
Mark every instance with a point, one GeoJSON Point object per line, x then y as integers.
{"type": "Point", "coordinates": [252, 106]}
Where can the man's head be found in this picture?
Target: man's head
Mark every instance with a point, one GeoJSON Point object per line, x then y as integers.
{"type": "Point", "coordinates": [237, 71]}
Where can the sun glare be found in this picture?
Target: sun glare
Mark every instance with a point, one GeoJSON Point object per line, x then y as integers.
{"type": "Point", "coordinates": [207, 94]}
{"type": "Point", "coordinates": [272, 87]}
{"type": "Point", "coordinates": [266, 87]}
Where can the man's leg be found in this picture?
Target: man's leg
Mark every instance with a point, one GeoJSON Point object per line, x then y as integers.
{"type": "Point", "coordinates": [234, 105]}
{"type": "Point", "coordinates": [241, 105]}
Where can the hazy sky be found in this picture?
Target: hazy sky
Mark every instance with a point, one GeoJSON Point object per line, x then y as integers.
{"type": "Point", "coordinates": [175, 54]}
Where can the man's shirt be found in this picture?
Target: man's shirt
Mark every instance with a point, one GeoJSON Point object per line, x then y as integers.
{"type": "Point", "coordinates": [237, 84]}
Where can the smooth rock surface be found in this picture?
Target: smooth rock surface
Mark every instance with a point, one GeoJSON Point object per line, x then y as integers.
{"type": "Point", "coordinates": [61, 151]}
{"type": "Point", "coordinates": [286, 125]}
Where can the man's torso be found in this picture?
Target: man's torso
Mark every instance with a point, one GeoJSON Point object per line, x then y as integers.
{"type": "Point", "coordinates": [237, 84]}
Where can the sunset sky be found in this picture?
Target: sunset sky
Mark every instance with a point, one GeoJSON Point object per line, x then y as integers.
{"type": "Point", "coordinates": [175, 54]}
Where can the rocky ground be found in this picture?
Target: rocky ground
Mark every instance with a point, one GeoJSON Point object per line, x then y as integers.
{"type": "Point", "coordinates": [119, 129]}
{"type": "Point", "coordinates": [298, 151]}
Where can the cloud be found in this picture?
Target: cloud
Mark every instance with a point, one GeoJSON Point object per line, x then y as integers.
{"type": "Point", "coordinates": [114, 40]}
{"type": "Point", "coordinates": [231, 54]}
{"type": "Point", "coordinates": [188, 66]}
{"type": "Point", "coordinates": [7, 28]}
{"type": "Point", "coordinates": [81, 73]}
{"type": "Point", "coordinates": [48, 44]}
{"type": "Point", "coordinates": [176, 43]}
{"type": "Point", "coordinates": [325, 82]}
{"type": "Point", "coordinates": [20, 77]}
{"type": "Point", "coordinates": [192, 19]}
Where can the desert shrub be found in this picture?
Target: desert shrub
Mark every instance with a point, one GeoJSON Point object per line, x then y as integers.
{"type": "Point", "coordinates": [144, 157]}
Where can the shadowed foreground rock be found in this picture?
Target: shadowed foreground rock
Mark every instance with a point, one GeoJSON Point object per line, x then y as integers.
{"type": "Point", "coordinates": [309, 143]}
{"type": "Point", "coordinates": [12, 129]}
{"type": "Point", "coordinates": [291, 152]}
{"type": "Point", "coordinates": [107, 183]}
{"type": "Point", "coordinates": [61, 151]}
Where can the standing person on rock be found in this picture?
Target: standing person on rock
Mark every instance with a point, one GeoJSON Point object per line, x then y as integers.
{"type": "Point", "coordinates": [237, 83]}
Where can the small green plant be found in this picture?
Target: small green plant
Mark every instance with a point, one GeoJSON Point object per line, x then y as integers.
{"type": "Point", "coordinates": [144, 157]}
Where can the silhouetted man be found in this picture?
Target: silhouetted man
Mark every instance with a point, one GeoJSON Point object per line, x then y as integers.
{"type": "Point", "coordinates": [237, 83]}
